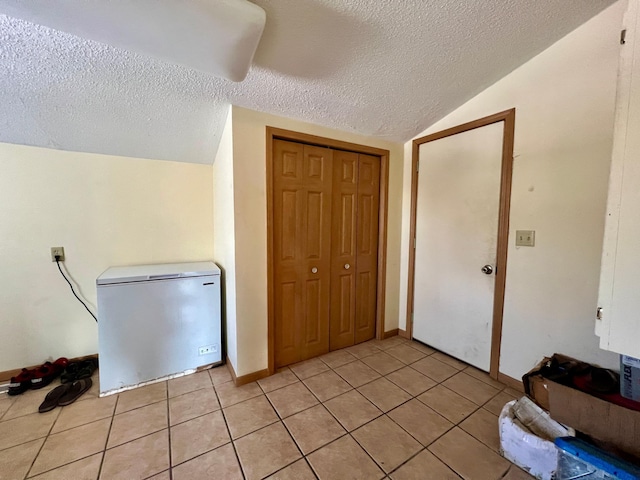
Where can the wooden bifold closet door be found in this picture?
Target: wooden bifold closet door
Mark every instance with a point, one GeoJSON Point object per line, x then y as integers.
{"type": "Point", "coordinates": [325, 245]}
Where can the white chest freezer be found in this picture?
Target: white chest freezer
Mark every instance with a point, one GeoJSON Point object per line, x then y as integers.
{"type": "Point", "coordinates": [157, 321]}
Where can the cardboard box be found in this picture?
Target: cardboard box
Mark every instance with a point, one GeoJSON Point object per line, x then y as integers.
{"type": "Point", "coordinates": [605, 421]}
{"type": "Point", "coordinates": [539, 391]}
{"type": "Point", "coordinates": [630, 377]}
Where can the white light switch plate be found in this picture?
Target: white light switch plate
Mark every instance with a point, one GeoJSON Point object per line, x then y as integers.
{"type": "Point", "coordinates": [525, 238]}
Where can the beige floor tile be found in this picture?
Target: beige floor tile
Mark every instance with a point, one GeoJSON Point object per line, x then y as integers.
{"type": "Point", "coordinates": [483, 426]}
{"type": "Point", "coordinates": [363, 350]}
{"type": "Point", "coordinates": [220, 463]}
{"type": "Point", "coordinates": [85, 469]}
{"type": "Point", "coordinates": [450, 405]}
{"type": "Point", "coordinates": [421, 347]}
{"type": "Point", "coordinates": [449, 360]}
{"type": "Point", "coordinates": [390, 342]}
{"type": "Point", "coordinates": [279, 380]}
{"type": "Point", "coordinates": [72, 445]}
{"type": "Point", "coordinates": [94, 391]}
{"type": "Point", "coordinates": [15, 462]}
{"type": "Point", "coordinates": [292, 399]}
{"type": "Point", "coordinates": [411, 381]}
{"type": "Point", "coordinates": [266, 451]}
{"type": "Point", "coordinates": [308, 368]}
{"type": "Point", "coordinates": [28, 402]}
{"type": "Point", "coordinates": [138, 423]}
{"type": "Point", "coordinates": [342, 459]}
{"type": "Point", "coordinates": [424, 466]}
{"type": "Point", "coordinates": [24, 429]}
{"type": "Point", "coordinates": [191, 405]}
{"type": "Point", "coordinates": [383, 363]}
{"type": "Point", "coordinates": [384, 394]}
{"type": "Point", "coordinates": [496, 404]}
{"type": "Point", "coordinates": [313, 428]}
{"type": "Point", "coordinates": [420, 421]}
{"type": "Point", "coordinates": [327, 385]}
{"type": "Point", "coordinates": [387, 443]}
{"type": "Point", "coordinates": [220, 375]}
{"type": "Point", "coordinates": [139, 397]}
{"type": "Point", "coordinates": [357, 373]}
{"type": "Point", "coordinates": [197, 436]}
{"type": "Point", "coordinates": [139, 459]}
{"type": "Point", "coordinates": [515, 473]}
{"type": "Point", "coordinates": [434, 369]}
{"type": "Point", "coordinates": [80, 413]}
{"type": "Point", "coordinates": [5, 402]}
{"type": "Point", "coordinates": [352, 409]}
{"type": "Point", "coordinates": [471, 388]}
{"type": "Point", "coordinates": [299, 470]}
{"type": "Point", "coordinates": [405, 353]}
{"type": "Point", "coordinates": [161, 476]}
{"type": "Point", "coordinates": [338, 358]}
{"type": "Point", "coordinates": [189, 383]}
{"type": "Point", "coordinates": [484, 377]}
{"type": "Point", "coordinates": [249, 416]}
{"type": "Point", "coordinates": [229, 394]}
{"type": "Point", "coordinates": [468, 457]}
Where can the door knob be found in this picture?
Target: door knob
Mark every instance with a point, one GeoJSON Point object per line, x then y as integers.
{"type": "Point", "coordinates": [487, 269]}
{"type": "Point", "coordinates": [347, 266]}
{"type": "Point", "coordinates": [314, 270]}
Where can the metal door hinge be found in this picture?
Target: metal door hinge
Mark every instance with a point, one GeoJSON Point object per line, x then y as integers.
{"type": "Point", "coordinates": [414, 243]}
{"type": "Point", "coordinates": [599, 312]}
{"type": "Point", "coordinates": [411, 318]}
{"type": "Point", "coordinates": [418, 165]}
{"type": "Point", "coordinates": [623, 36]}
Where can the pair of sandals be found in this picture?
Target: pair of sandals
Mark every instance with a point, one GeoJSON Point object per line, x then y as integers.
{"type": "Point", "coordinates": [38, 377]}
{"type": "Point", "coordinates": [65, 394]}
{"type": "Point", "coordinates": [78, 370]}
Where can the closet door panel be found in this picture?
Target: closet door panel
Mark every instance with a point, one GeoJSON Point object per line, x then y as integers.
{"type": "Point", "coordinates": [367, 246]}
{"type": "Point", "coordinates": [343, 241]}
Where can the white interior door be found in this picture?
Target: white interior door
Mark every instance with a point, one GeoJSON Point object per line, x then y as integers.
{"type": "Point", "coordinates": [456, 236]}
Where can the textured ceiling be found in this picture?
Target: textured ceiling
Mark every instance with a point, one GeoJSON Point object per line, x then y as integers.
{"type": "Point", "coordinates": [386, 68]}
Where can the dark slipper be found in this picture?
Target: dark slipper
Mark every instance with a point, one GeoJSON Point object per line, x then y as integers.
{"type": "Point", "coordinates": [75, 391]}
{"type": "Point", "coordinates": [70, 373]}
{"type": "Point", "coordinates": [86, 368]}
{"type": "Point", "coordinates": [21, 383]}
{"type": "Point", "coordinates": [53, 397]}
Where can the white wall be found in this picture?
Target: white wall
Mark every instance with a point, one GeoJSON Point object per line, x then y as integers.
{"type": "Point", "coordinates": [224, 247]}
{"type": "Point", "coordinates": [104, 211]}
{"type": "Point", "coordinates": [564, 100]}
{"type": "Point", "coordinates": [249, 152]}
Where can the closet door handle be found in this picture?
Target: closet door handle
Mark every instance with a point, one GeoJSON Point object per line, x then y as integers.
{"type": "Point", "coordinates": [347, 266]}
{"type": "Point", "coordinates": [314, 270]}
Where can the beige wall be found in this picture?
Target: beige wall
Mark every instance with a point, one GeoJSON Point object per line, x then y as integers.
{"type": "Point", "coordinates": [249, 152]}
{"type": "Point", "coordinates": [564, 101]}
{"type": "Point", "coordinates": [224, 246]}
{"type": "Point", "coordinates": [104, 211]}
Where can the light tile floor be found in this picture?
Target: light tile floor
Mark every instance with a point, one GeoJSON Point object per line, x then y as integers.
{"type": "Point", "coordinates": [383, 409]}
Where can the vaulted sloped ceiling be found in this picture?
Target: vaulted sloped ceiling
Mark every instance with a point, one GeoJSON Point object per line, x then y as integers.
{"type": "Point", "coordinates": [383, 68]}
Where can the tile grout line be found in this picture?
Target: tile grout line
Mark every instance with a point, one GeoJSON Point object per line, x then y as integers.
{"type": "Point", "coordinates": [106, 442]}
{"type": "Point", "coordinates": [169, 427]}
{"type": "Point", "coordinates": [226, 424]}
{"type": "Point", "coordinates": [41, 446]}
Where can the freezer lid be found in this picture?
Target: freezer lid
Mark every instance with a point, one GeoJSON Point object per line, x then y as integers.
{"type": "Point", "coordinates": [146, 273]}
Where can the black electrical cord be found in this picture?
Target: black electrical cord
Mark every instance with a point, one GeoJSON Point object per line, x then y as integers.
{"type": "Point", "coordinates": [72, 290]}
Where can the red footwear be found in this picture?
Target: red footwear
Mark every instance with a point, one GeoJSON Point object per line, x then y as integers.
{"type": "Point", "coordinates": [21, 383]}
{"type": "Point", "coordinates": [45, 374]}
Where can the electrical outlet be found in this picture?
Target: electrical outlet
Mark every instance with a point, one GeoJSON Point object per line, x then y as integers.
{"type": "Point", "coordinates": [208, 350]}
{"type": "Point", "coordinates": [525, 238]}
{"type": "Point", "coordinates": [59, 251]}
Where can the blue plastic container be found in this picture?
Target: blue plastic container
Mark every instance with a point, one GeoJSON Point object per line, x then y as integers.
{"type": "Point", "coordinates": [578, 459]}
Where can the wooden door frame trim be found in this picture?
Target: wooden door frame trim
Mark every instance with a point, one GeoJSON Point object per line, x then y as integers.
{"type": "Point", "coordinates": [279, 133]}
{"type": "Point", "coordinates": [508, 117]}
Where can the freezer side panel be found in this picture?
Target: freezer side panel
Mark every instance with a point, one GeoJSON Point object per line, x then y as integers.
{"type": "Point", "coordinates": [149, 330]}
